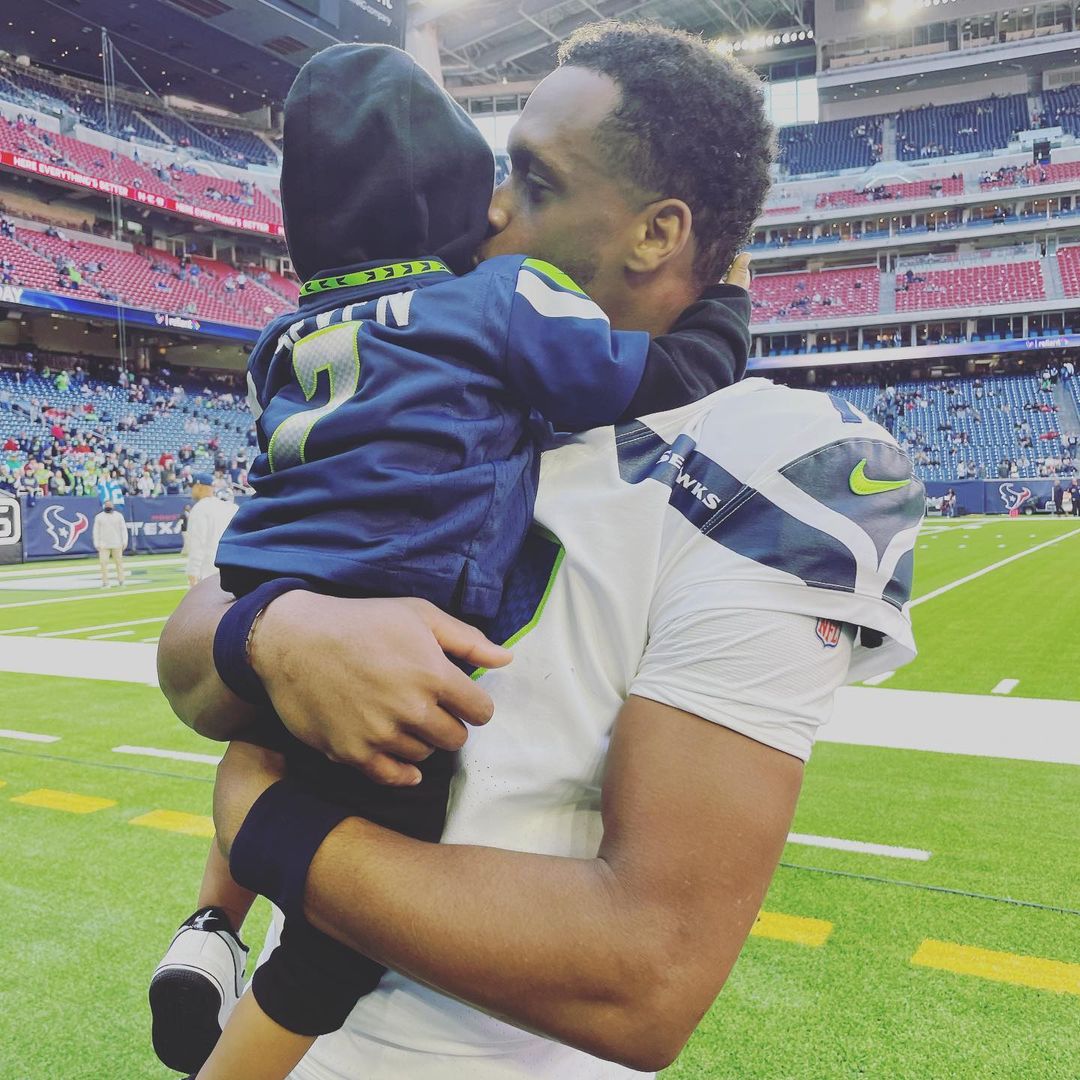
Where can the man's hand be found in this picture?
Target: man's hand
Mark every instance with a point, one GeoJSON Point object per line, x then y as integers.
{"type": "Point", "coordinates": [245, 772]}
{"type": "Point", "coordinates": [368, 682]}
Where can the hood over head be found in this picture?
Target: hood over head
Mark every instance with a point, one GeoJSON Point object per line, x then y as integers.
{"type": "Point", "coordinates": [379, 163]}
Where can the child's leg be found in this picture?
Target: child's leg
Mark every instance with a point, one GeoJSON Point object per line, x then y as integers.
{"type": "Point", "coordinates": [196, 986]}
{"type": "Point", "coordinates": [254, 1047]}
{"type": "Point", "coordinates": [220, 891]}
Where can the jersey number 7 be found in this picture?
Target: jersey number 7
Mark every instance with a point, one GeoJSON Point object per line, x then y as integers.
{"type": "Point", "coordinates": [335, 350]}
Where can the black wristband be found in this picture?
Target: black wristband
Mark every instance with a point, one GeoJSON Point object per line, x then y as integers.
{"type": "Point", "coordinates": [280, 835]}
{"type": "Point", "coordinates": [231, 639]}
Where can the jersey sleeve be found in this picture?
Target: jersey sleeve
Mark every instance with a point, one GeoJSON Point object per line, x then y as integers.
{"type": "Point", "coordinates": [562, 357]}
{"type": "Point", "coordinates": [789, 502]}
{"type": "Point", "coordinates": [705, 351]}
{"type": "Point", "coordinates": [765, 674]}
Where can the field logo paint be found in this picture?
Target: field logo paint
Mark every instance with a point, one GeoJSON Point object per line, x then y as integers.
{"type": "Point", "coordinates": [828, 633]}
{"type": "Point", "coordinates": [1013, 497]}
{"type": "Point", "coordinates": [64, 533]}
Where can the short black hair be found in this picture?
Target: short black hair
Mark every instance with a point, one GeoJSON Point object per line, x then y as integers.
{"type": "Point", "coordinates": [690, 125]}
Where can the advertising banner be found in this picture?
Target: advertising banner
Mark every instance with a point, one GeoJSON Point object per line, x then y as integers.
{"type": "Point", "coordinates": [10, 530]}
{"type": "Point", "coordinates": [68, 175]}
{"type": "Point", "coordinates": [72, 304]}
{"type": "Point", "coordinates": [994, 496]}
{"type": "Point", "coordinates": [154, 524]}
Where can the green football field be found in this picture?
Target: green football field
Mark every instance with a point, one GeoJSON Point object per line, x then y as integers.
{"type": "Point", "coordinates": [943, 943]}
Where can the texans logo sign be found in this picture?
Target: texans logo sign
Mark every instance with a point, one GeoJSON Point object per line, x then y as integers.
{"type": "Point", "coordinates": [64, 532]}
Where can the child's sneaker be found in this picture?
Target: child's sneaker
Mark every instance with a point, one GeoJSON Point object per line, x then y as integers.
{"type": "Point", "coordinates": [194, 989]}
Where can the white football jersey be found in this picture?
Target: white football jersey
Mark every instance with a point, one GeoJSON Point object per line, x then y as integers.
{"type": "Point", "coordinates": [717, 558]}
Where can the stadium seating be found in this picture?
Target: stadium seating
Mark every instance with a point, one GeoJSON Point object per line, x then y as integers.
{"type": "Point", "coordinates": [919, 189]}
{"type": "Point", "coordinates": [1068, 259]}
{"type": "Point", "coordinates": [93, 405]}
{"type": "Point", "coordinates": [941, 423]}
{"type": "Point", "coordinates": [963, 128]}
{"type": "Point", "coordinates": [982, 431]}
{"type": "Point", "coordinates": [234, 197]}
{"type": "Point", "coordinates": [1063, 109]}
{"type": "Point", "coordinates": [215, 141]}
{"type": "Point", "coordinates": [131, 277]}
{"type": "Point", "coordinates": [970, 286]}
{"type": "Point", "coordinates": [800, 296]}
{"type": "Point", "coordinates": [830, 145]}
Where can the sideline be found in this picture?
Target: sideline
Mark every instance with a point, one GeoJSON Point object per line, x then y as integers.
{"type": "Point", "coordinates": [982, 725]}
{"type": "Point", "coordinates": [1024, 729]}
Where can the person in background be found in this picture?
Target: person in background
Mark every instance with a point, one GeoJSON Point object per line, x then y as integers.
{"type": "Point", "coordinates": [110, 539]}
{"type": "Point", "coordinates": [206, 522]}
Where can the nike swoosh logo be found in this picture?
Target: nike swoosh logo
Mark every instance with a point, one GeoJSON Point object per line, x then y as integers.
{"type": "Point", "coordinates": [861, 484]}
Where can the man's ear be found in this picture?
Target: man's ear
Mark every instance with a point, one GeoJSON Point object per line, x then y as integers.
{"type": "Point", "coordinates": [662, 232]}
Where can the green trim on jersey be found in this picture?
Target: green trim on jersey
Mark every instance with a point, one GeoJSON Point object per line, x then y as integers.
{"type": "Point", "coordinates": [518, 634]}
{"type": "Point", "coordinates": [554, 274]}
{"type": "Point", "coordinates": [375, 274]}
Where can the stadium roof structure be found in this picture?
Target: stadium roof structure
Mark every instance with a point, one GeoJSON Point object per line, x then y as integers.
{"type": "Point", "coordinates": [238, 54]}
{"type": "Point", "coordinates": [485, 41]}
{"type": "Point", "coordinates": [241, 54]}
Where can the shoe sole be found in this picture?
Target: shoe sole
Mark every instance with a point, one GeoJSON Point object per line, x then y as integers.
{"type": "Point", "coordinates": [185, 1007]}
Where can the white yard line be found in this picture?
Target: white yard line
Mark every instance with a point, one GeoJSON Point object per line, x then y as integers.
{"type": "Point", "coordinates": [19, 630]}
{"type": "Point", "coordinates": [103, 626]}
{"type": "Point", "coordinates": [49, 569]}
{"type": "Point", "coordinates": [28, 736]}
{"type": "Point", "coordinates": [103, 594]}
{"type": "Point", "coordinates": [173, 755]}
{"type": "Point", "coordinates": [875, 680]}
{"type": "Point", "coordinates": [115, 661]}
{"type": "Point", "coordinates": [888, 850]}
{"type": "Point", "coordinates": [1006, 686]}
{"type": "Point", "coordinates": [115, 633]}
{"type": "Point", "coordinates": [1026, 729]}
{"type": "Point", "coordinates": [995, 566]}
{"type": "Point", "coordinates": [149, 640]}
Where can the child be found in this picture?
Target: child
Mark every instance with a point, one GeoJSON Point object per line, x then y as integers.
{"type": "Point", "coordinates": [401, 413]}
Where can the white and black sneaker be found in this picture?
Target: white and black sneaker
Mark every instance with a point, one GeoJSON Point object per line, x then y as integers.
{"type": "Point", "coordinates": [194, 989]}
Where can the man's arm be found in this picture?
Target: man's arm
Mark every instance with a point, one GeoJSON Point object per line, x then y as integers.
{"type": "Point", "coordinates": [618, 955]}
{"type": "Point", "coordinates": [366, 682]}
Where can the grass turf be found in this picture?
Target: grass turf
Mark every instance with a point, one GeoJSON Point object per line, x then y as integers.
{"type": "Point", "coordinates": [89, 902]}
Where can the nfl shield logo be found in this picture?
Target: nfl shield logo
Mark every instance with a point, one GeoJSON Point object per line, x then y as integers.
{"type": "Point", "coordinates": [828, 633]}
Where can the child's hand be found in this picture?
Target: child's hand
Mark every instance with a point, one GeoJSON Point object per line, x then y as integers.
{"type": "Point", "coordinates": [738, 273]}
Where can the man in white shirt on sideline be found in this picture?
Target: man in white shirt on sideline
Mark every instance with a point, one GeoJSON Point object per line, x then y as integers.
{"type": "Point", "coordinates": [684, 615]}
{"type": "Point", "coordinates": [110, 539]}
{"type": "Point", "coordinates": [207, 521]}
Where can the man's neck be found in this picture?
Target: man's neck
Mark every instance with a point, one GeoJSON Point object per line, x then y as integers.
{"type": "Point", "coordinates": [653, 310]}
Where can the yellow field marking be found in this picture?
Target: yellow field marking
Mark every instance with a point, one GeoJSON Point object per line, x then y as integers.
{"type": "Point", "coordinates": [795, 928]}
{"type": "Point", "coordinates": [176, 821]}
{"type": "Point", "coordinates": [1033, 971]}
{"type": "Point", "coordinates": [64, 800]}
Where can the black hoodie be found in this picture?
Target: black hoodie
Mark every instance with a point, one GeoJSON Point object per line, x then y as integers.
{"type": "Point", "coordinates": [380, 164]}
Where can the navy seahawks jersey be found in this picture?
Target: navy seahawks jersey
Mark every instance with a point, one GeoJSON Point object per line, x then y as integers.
{"type": "Point", "coordinates": [400, 415]}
